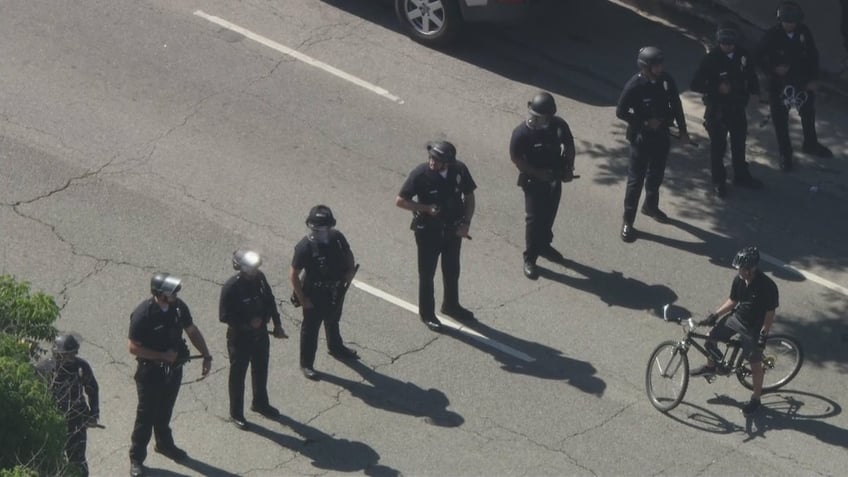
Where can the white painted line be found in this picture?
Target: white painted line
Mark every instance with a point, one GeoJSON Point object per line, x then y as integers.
{"type": "Point", "coordinates": [446, 321]}
{"type": "Point", "coordinates": [809, 276]}
{"type": "Point", "coordinates": [299, 56]}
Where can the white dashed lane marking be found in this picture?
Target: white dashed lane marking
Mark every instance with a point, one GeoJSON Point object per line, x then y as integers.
{"type": "Point", "coordinates": [448, 322]}
{"type": "Point", "coordinates": [298, 56]}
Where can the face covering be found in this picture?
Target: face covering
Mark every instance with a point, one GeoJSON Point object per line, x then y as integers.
{"type": "Point", "coordinates": [538, 122]}
{"type": "Point", "coordinates": [320, 234]}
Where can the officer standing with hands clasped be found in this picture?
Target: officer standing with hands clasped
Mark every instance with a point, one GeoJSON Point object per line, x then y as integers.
{"type": "Point", "coordinates": [328, 267]}
{"type": "Point", "coordinates": [727, 78]}
{"type": "Point", "coordinates": [442, 214]}
{"type": "Point", "coordinates": [542, 148]}
{"type": "Point", "coordinates": [72, 381]}
{"type": "Point", "coordinates": [155, 339]}
{"type": "Point", "coordinates": [789, 58]}
{"type": "Point", "coordinates": [649, 104]}
{"type": "Point", "coordinates": [247, 305]}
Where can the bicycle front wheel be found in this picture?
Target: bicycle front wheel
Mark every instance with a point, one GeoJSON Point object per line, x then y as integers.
{"type": "Point", "coordinates": [782, 359]}
{"type": "Point", "coordinates": [667, 376]}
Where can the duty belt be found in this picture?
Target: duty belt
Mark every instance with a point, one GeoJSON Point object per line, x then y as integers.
{"type": "Point", "coordinates": [327, 284]}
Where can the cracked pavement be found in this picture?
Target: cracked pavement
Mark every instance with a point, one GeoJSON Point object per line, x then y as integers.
{"type": "Point", "coordinates": [138, 138]}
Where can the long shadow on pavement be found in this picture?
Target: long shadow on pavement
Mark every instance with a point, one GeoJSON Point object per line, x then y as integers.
{"type": "Point", "coordinates": [613, 288]}
{"type": "Point", "coordinates": [325, 451]}
{"type": "Point", "coordinates": [549, 362]}
{"type": "Point", "coordinates": [393, 395]}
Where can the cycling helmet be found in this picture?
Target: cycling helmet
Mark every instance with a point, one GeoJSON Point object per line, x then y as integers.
{"type": "Point", "coordinates": [748, 257]}
{"type": "Point", "coordinates": [727, 34]}
{"type": "Point", "coordinates": [649, 56]}
{"type": "Point", "coordinates": [65, 344]}
{"type": "Point", "coordinates": [165, 284]}
{"type": "Point", "coordinates": [442, 151]}
{"type": "Point", "coordinates": [246, 260]}
{"type": "Point", "coordinates": [542, 104]}
{"type": "Point", "coordinates": [789, 12]}
{"type": "Point", "coordinates": [320, 216]}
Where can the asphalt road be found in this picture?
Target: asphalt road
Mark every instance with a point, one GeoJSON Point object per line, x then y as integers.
{"type": "Point", "coordinates": [142, 136]}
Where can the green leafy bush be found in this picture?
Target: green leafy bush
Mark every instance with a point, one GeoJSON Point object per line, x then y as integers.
{"type": "Point", "coordinates": [33, 433]}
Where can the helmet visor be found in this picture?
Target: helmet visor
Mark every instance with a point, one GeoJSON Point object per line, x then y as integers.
{"type": "Point", "coordinates": [170, 286]}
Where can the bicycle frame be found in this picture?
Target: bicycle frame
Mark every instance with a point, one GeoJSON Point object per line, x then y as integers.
{"type": "Point", "coordinates": [725, 364]}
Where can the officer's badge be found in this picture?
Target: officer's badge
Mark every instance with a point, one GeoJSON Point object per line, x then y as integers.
{"type": "Point", "coordinates": [458, 179]}
{"type": "Point", "coordinates": [802, 38]}
{"type": "Point", "coordinates": [665, 85]}
{"type": "Point", "coordinates": [744, 61]}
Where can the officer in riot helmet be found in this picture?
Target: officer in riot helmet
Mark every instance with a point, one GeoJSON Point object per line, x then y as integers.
{"type": "Point", "coordinates": [76, 393]}
{"type": "Point", "coordinates": [440, 195]}
{"type": "Point", "coordinates": [247, 305]}
{"type": "Point", "coordinates": [542, 148]}
{"type": "Point", "coordinates": [155, 339]}
{"type": "Point", "coordinates": [727, 78]}
{"type": "Point", "coordinates": [789, 59]}
{"type": "Point", "coordinates": [322, 269]}
{"type": "Point", "coordinates": [649, 103]}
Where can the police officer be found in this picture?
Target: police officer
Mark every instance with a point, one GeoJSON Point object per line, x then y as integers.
{"type": "Point", "coordinates": [542, 148]}
{"type": "Point", "coordinates": [442, 212]}
{"type": "Point", "coordinates": [76, 393]}
{"type": "Point", "coordinates": [789, 58]}
{"type": "Point", "coordinates": [327, 263]}
{"type": "Point", "coordinates": [727, 78]}
{"type": "Point", "coordinates": [649, 103]}
{"type": "Point", "coordinates": [155, 339]}
{"type": "Point", "coordinates": [247, 305]}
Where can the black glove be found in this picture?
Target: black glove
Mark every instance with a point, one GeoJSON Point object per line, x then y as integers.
{"type": "Point", "coordinates": [710, 320]}
{"type": "Point", "coordinates": [568, 175]}
{"type": "Point", "coordinates": [761, 340]}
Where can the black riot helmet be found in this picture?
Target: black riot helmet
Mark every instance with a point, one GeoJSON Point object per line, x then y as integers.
{"type": "Point", "coordinates": [789, 12]}
{"type": "Point", "coordinates": [65, 344]}
{"type": "Point", "coordinates": [649, 56]}
{"type": "Point", "coordinates": [442, 151]}
{"type": "Point", "coordinates": [246, 260]}
{"type": "Point", "coordinates": [165, 284]}
{"type": "Point", "coordinates": [748, 257]}
{"type": "Point", "coordinates": [320, 216]}
{"type": "Point", "coordinates": [727, 34]}
{"type": "Point", "coordinates": [542, 104]}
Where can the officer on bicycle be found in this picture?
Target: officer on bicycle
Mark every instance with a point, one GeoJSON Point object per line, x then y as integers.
{"type": "Point", "coordinates": [749, 312]}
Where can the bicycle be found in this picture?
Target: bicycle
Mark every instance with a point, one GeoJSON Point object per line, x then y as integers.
{"type": "Point", "coordinates": [667, 374]}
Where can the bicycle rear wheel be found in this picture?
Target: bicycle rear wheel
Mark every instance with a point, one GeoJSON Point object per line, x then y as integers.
{"type": "Point", "coordinates": [667, 376]}
{"type": "Point", "coordinates": [782, 359]}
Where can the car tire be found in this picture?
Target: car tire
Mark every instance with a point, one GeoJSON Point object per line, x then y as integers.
{"type": "Point", "coordinates": [436, 24]}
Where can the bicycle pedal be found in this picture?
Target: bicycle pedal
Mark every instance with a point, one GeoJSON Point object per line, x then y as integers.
{"type": "Point", "coordinates": [710, 378]}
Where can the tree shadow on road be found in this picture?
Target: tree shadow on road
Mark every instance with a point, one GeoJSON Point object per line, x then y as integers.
{"type": "Point", "coordinates": [613, 288]}
{"type": "Point", "coordinates": [393, 395]}
{"type": "Point", "coordinates": [549, 362]}
{"type": "Point", "coordinates": [325, 451]}
{"type": "Point", "coordinates": [823, 336]}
